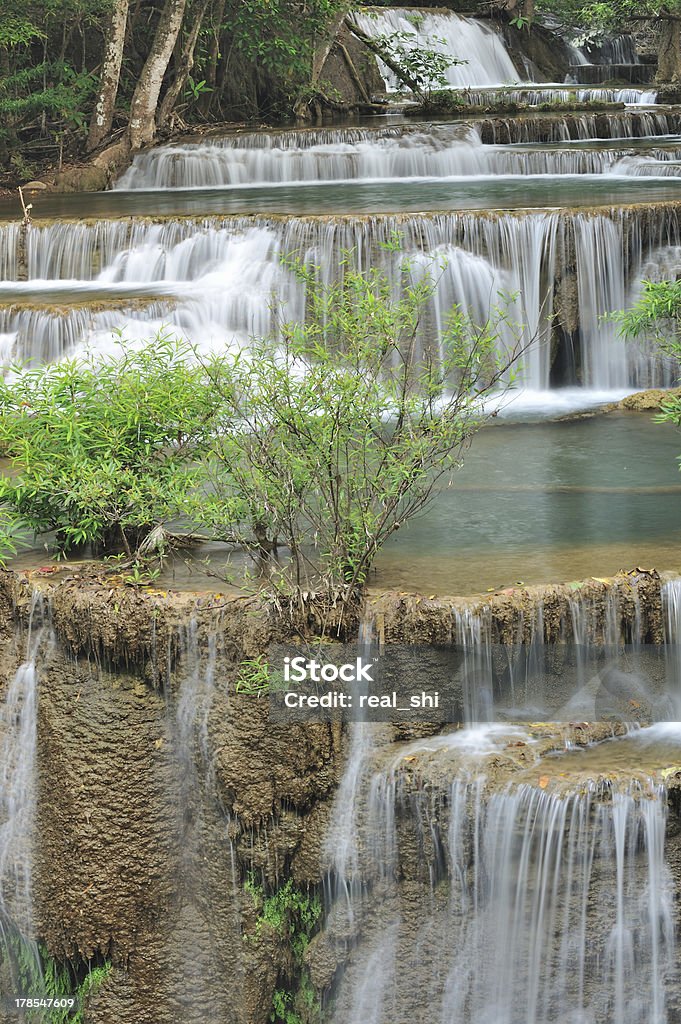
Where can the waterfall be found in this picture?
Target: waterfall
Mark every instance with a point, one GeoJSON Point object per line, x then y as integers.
{"type": "Point", "coordinates": [625, 124]}
{"type": "Point", "coordinates": [532, 947]}
{"type": "Point", "coordinates": [535, 95]}
{"type": "Point", "coordinates": [400, 151]}
{"type": "Point", "coordinates": [18, 738]}
{"type": "Point", "coordinates": [18, 810]}
{"type": "Point", "coordinates": [619, 49]}
{"type": "Point", "coordinates": [671, 605]}
{"type": "Point", "coordinates": [487, 61]}
{"type": "Point", "coordinates": [517, 905]}
{"type": "Point", "coordinates": [41, 335]}
{"type": "Point", "coordinates": [217, 280]}
{"type": "Point", "coordinates": [661, 164]}
{"type": "Point", "coordinates": [207, 886]}
{"type": "Point", "coordinates": [441, 152]}
{"type": "Point", "coordinates": [603, 286]}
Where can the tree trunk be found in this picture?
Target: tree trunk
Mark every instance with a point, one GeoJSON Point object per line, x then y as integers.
{"type": "Point", "coordinates": [142, 128]}
{"type": "Point", "coordinates": [380, 51]}
{"type": "Point", "coordinates": [185, 64]}
{"type": "Point", "coordinates": [105, 104]}
{"type": "Point", "coordinates": [213, 57]}
{"type": "Point", "coordinates": [669, 63]}
{"type": "Point", "coordinates": [322, 49]}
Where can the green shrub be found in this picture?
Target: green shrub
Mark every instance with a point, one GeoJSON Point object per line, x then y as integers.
{"type": "Point", "coordinates": [102, 448]}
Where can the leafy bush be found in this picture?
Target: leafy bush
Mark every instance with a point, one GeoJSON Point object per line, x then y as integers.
{"type": "Point", "coordinates": [323, 441]}
{"type": "Point", "coordinates": [333, 436]}
{"type": "Point", "coordinates": [657, 313]}
{"type": "Point", "coordinates": [102, 449]}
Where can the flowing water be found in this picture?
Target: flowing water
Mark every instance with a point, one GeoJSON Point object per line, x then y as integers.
{"type": "Point", "coordinates": [524, 904]}
{"type": "Point", "coordinates": [469, 877]}
{"type": "Point", "coordinates": [18, 805]}
{"type": "Point", "coordinates": [479, 51]}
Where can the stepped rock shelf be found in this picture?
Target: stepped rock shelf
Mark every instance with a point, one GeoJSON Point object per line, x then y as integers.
{"type": "Point", "coordinates": [517, 862]}
{"type": "Point", "coordinates": [130, 687]}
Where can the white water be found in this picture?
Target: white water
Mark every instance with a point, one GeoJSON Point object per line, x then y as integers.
{"type": "Point", "coordinates": [626, 124]}
{"type": "Point", "coordinates": [223, 281]}
{"type": "Point", "coordinates": [530, 906]}
{"type": "Point", "coordinates": [18, 738]}
{"type": "Point", "coordinates": [441, 152]}
{"type": "Point", "coordinates": [207, 887]}
{"type": "Point", "coordinates": [18, 812]}
{"type": "Point", "coordinates": [553, 93]}
{"type": "Point", "coordinates": [548, 866]}
{"type": "Point", "coordinates": [671, 606]}
{"type": "Point", "coordinates": [463, 39]}
{"type": "Point", "coordinates": [326, 154]}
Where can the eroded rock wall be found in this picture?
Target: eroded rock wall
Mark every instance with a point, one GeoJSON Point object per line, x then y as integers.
{"type": "Point", "coordinates": [162, 790]}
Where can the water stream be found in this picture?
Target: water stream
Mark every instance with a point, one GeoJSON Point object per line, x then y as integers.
{"type": "Point", "coordinates": [475, 876]}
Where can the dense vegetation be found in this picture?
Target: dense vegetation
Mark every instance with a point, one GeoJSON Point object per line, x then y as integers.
{"type": "Point", "coordinates": [315, 445]}
{"type": "Point", "coordinates": [76, 73]}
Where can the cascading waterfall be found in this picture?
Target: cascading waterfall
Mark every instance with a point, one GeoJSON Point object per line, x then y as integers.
{"type": "Point", "coordinates": [441, 152]}
{"type": "Point", "coordinates": [18, 808]}
{"type": "Point", "coordinates": [42, 336]}
{"type": "Point", "coordinates": [480, 48]}
{"type": "Point", "coordinates": [217, 280]}
{"type": "Point", "coordinates": [608, 361]}
{"type": "Point", "coordinates": [532, 945]}
{"type": "Point", "coordinates": [482, 63]}
{"type": "Point", "coordinates": [625, 124]}
{"type": "Point", "coordinates": [329, 154]}
{"type": "Point", "coordinates": [207, 885]}
{"type": "Point", "coordinates": [535, 95]}
{"type": "Point", "coordinates": [18, 738]}
{"type": "Point", "coordinates": [660, 164]}
{"type": "Point", "coordinates": [524, 905]}
{"type": "Point", "coordinates": [671, 604]}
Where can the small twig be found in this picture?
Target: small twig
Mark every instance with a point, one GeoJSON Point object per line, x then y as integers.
{"type": "Point", "coordinates": [27, 216]}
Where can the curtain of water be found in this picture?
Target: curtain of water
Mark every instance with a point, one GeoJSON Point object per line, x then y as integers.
{"type": "Point", "coordinates": [18, 804]}
{"type": "Point", "coordinates": [541, 906]}
{"type": "Point", "coordinates": [479, 50]}
{"type": "Point", "coordinates": [227, 281]}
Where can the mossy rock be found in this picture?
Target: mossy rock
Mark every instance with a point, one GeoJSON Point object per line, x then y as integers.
{"type": "Point", "coordinates": [82, 179]}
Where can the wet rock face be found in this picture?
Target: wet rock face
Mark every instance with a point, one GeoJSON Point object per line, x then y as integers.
{"type": "Point", "coordinates": [161, 790]}
{"type": "Point", "coordinates": [511, 615]}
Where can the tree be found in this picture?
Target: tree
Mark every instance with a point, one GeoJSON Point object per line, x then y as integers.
{"type": "Point", "coordinates": [142, 127]}
{"type": "Point", "coordinates": [184, 66]}
{"type": "Point", "coordinates": [105, 103]}
{"type": "Point", "coordinates": [614, 14]}
{"type": "Point", "coordinates": [288, 41]}
{"type": "Point", "coordinates": [335, 433]}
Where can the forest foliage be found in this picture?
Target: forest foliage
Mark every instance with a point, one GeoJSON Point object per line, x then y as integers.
{"type": "Point", "coordinates": [306, 450]}
{"type": "Point", "coordinates": [64, 65]}
{"type": "Point", "coordinates": [77, 74]}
